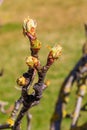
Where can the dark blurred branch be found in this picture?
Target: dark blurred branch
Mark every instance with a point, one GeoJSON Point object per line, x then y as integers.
{"type": "Point", "coordinates": [1, 72]}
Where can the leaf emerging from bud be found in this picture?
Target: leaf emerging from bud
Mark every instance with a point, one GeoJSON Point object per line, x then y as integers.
{"type": "Point", "coordinates": [31, 61]}
{"type": "Point", "coordinates": [29, 25]}
{"type": "Point", "coordinates": [21, 81]}
{"type": "Point", "coordinates": [56, 51]}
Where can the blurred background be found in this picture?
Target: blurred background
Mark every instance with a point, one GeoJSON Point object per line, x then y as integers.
{"type": "Point", "coordinates": [59, 22]}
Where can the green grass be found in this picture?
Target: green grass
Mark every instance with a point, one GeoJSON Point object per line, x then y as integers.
{"type": "Point", "coordinates": [60, 22]}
